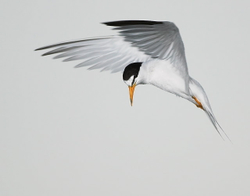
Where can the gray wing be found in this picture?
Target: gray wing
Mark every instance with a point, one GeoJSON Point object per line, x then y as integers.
{"type": "Point", "coordinates": [158, 39]}
{"type": "Point", "coordinates": [138, 41]}
{"type": "Point", "coordinates": [108, 53]}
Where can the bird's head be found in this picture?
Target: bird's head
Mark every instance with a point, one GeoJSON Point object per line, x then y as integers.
{"type": "Point", "coordinates": [131, 76]}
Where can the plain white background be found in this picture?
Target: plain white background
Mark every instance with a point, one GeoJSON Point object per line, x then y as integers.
{"type": "Point", "coordinates": [66, 131]}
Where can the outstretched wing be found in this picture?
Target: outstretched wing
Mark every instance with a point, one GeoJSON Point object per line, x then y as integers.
{"type": "Point", "coordinates": [138, 41]}
{"type": "Point", "coordinates": [157, 39]}
{"type": "Point", "coordinates": [108, 53]}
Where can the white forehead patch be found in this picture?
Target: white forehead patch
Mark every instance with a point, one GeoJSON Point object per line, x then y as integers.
{"type": "Point", "coordinates": [130, 80]}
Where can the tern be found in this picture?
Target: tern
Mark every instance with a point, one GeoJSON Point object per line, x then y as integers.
{"type": "Point", "coordinates": [147, 52]}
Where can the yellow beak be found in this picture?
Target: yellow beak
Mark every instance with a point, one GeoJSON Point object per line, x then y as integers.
{"type": "Point", "coordinates": [131, 93]}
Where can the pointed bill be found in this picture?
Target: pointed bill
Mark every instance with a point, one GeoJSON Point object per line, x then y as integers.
{"type": "Point", "coordinates": [131, 93]}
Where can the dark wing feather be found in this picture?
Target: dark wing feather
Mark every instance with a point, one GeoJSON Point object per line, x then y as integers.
{"type": "Point", "coordinates": [157, 39]}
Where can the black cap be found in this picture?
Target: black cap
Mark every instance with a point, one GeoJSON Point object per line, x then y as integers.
{"type": "Point", "coordinates": [131, 70]}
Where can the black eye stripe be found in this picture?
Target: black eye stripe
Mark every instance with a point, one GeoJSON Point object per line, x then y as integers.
{"type": "Point", "coordinates": [131, 70]}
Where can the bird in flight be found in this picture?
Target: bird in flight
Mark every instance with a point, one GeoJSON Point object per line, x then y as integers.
{"type": "Point", "coordinates": [147, 52]}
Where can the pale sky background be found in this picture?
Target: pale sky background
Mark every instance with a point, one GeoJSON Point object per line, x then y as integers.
{"type": "Point", "coordinates": [67, 131]}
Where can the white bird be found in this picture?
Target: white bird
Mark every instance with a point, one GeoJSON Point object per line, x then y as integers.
{"type": "Point", "coordinates": [148, 52]}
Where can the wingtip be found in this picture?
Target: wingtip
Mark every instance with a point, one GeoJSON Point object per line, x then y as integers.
{"type": "Point", "coordinates": [41, 48]}
{"type": "Point", "coordinates": [37, 49]}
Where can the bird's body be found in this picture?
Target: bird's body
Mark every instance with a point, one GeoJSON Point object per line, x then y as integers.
{"type": "Point", "coordinates": [148, 52]}
{"type": "Point", "coordinates": [165, 76]}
